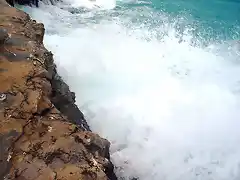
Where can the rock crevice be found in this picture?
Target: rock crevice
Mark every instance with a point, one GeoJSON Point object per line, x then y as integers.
{"type": "Point", "coordinates": [43, 134]}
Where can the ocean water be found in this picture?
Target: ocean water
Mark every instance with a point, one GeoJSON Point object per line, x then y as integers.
{"type": "Point", "coordinates": [159, 79]}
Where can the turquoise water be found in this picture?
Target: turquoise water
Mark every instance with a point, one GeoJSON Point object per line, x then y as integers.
{"type": "Point", "coordinates": [216, 19]}
{"type": "Point", "coordinates": [158, 79]}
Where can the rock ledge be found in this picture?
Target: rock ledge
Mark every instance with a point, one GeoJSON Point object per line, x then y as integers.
{"type": "Point", "coordinates": [43, 135]}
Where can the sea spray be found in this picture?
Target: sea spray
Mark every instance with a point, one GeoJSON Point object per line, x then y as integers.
{"type": "Point", "coordinates": [168, 104]}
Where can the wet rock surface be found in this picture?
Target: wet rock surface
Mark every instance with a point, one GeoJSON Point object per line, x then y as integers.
{"type": "Point", "coordinates": [43, 135]}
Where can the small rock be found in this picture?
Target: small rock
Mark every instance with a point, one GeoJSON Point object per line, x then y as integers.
{"type": "Point", "coordinates": [95, 163]}
{"type": "Point", "coordinates": [9, 156]}
{"type": "Point", "coordinates": [3, 97]}
{"type": "Point", "coordinates": [50, 129]}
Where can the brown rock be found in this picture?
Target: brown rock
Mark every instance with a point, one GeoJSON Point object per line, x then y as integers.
{"type": "Point", "coordinates": [38, 140]}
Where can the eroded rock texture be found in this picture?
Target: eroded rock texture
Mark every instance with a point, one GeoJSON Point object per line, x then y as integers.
{"type": "Point", "coordinates": [42, 132]}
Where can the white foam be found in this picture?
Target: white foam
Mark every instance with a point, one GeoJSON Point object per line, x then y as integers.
{"type": "Point", "coordinates": [92, 4]}
{"type": "Point", "coordinates": [170, 110]}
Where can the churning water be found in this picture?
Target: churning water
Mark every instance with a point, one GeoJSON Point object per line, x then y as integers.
{"type": "Point", "coordinates": [159, 79]}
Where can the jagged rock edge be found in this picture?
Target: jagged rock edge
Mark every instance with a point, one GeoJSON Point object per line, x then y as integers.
{"type": "Point", "coordinates": [59, 96]}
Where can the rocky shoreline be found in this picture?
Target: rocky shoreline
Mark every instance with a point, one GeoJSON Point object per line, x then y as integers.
{"type": "Point", "coordinates": [43, 134]}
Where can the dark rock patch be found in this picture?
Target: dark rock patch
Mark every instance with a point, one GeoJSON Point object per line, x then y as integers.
{"type": "Point", "coordinates": [15, 57]}
{"type": "Point", "coordinates": [64, 100]}
{"type": "Point", "coordinates": [6, 141]}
